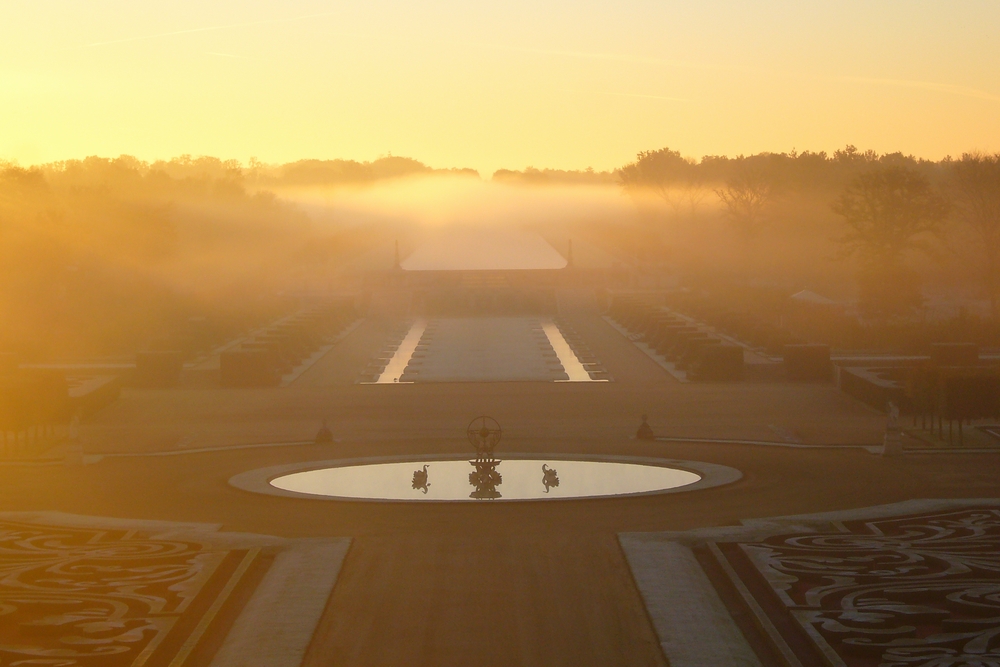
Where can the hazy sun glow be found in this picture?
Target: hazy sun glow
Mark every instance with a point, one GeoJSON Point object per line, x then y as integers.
{"type": "Point", "coordinates": [489, 85]}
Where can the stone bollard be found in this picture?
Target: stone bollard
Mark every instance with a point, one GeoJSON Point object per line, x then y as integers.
{"type": "Point", "coordinates": [324, 435]}
{"type": "Point", "coordinates": [645, 431]}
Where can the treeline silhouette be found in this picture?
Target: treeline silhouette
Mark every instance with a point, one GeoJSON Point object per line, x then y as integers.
{"type": "Point", "coordinates": [532, 176]}
{"type": "Point", "coordinates": [794, 170]}
{"type": "Point", "coordinates": [101, 257]}
{"type": "Point", "coordinates": [343, 172]}
{"type": "Point", "coordinates": [255, 174]}
{"type": "Point", "coordinates": [905, 246]}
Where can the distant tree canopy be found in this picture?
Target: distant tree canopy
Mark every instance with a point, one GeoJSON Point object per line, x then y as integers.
{"type": "Point", "coordinates": [337, 172]}
{"type": "Point", "coordinates": [889, 211]}
{"type": "Point", "coordinates": [98, 256]}
{"type": "Point", "coordinates": [255, 174]}
{"type": "Point", "coordinates": [977, 182]}
{"type": "Point", "coordinates": [532, 176]}
{"type": "Point", "coordinates": [666, 175]}
{"type": "Point", "coordinates": [746, 195]}
{"type": "Point", "coordinates": [890, 204]}
{"type": "Point", "coordinates": [657, 171]}
{"type": "Point", "coordinates": [662, 170]}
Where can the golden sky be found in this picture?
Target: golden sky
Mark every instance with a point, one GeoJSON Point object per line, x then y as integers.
{"type": "Point", "coordinates": [488, 84]}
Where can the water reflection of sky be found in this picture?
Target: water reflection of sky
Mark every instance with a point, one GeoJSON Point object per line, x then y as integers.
{"type": "Point", "coordinates": [449, 480]}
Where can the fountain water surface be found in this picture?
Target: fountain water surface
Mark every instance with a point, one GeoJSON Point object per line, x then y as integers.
{"type": "Point", "coordinates": [502, 479]}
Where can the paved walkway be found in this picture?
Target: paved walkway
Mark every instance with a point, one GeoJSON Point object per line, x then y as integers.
{"type": "Point", "coordinates": [525, 583]}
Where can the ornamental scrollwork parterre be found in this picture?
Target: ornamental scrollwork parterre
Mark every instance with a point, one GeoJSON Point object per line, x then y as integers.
{"type": "Point", "coordinates": [73, 596]}
{"type": "Point", "coordinates": [919, 591]}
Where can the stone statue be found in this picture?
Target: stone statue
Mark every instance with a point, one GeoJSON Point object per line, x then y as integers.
{"type": "Point", "coordinates": [550, 477]}
{"type": "Point", "coordinates": [893, 423]}
{"type": "Point", "coordinates": [892, 443]}
{"type": "Point", "coordinates": [485, 479]}
{"type": "Point", "coordinates": [420, 480]}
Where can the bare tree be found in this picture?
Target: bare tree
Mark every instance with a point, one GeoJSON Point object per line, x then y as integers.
{"type": "Point", "coordinates": [890, 212]}
{"type": "Point", "coordinates": [694, 194]}
{"type": "Point", "coordinates": [977, 180]}
{"type": "Point", "coordinates": [747, 196]}
{"type": "Point", "coordinates": [664, 173]}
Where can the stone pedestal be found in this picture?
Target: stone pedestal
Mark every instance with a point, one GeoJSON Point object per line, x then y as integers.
{"type": "Point", "coordinates": [892, 443]}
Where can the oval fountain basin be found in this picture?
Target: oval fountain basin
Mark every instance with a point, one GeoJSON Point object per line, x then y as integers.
{"type": "Point", "coordinates": [520, 479]}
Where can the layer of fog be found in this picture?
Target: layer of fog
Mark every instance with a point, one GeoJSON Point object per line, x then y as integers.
{"type": "Point", "coordinates": [100, 258]}
{"type": "Point", "coordinates": [466, 223]}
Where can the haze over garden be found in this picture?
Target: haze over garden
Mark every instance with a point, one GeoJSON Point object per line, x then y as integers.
{"type": "Point", "coordinates": [476, 333]}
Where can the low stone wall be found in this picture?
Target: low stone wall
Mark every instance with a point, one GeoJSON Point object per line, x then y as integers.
{"type": "Point", "coordinates": [874, 386]}
{"type": "Point", "coordinates": [88, 395]}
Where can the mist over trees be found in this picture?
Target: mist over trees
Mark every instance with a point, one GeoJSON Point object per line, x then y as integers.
{"type": "Point", "coordinates": [977, 184]}
{"type": "Point", "coordinates": [888, 232]}
{"type": "Point", "coordinates": [100, 257]}
{"type": "Point", "coordinates": [890, 212]}
{"type": "Point", "coordinates": [665, 170]}
{"type": "Point", "coordinates": [746, 196]}
{"type": "Point", "coordinates": [257, 175]}
{"type": "Point", "coordinates": [532, 176]}
{"type": "Point", "coordinates": [341, 172]}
